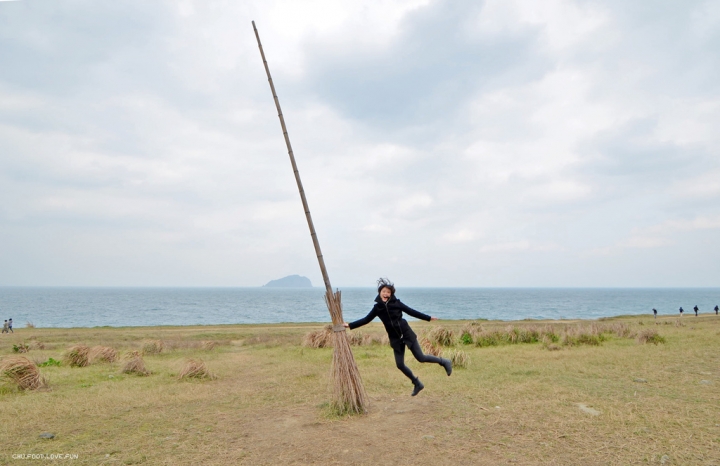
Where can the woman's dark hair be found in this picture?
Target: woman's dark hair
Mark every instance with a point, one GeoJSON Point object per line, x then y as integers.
{"type": "Point", "coordinates": [385, 283]}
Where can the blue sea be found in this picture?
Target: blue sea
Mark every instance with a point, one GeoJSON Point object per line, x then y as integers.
{"type": "Point", "coordinates": [120, 307]}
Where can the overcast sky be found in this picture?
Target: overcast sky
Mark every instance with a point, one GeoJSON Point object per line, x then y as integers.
{"type": "Point", "coordinates": [440, 143]}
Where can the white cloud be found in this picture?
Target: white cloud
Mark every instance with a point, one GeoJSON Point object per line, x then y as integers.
{"type": "Point", "coordinates": [506, 143]}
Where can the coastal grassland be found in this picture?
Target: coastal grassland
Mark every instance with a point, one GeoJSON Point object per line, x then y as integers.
{"type": "Point", "coordinates": [620, 402]}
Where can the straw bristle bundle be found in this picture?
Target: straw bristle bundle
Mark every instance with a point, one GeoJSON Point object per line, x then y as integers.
{"type": "Point", "coordinates": [349, 396]}
{"type": "Point", "coordinates": [195, 369]}
{"type": "Point", "coordinates": [77, 356]}
{"type": "Point", "coordinates": [22, 372]}
{"type": "Point", "coordinates": [102, 354]}
{"type": "Point", "coordinates": [153, 347]}
{"type": "Point", "coordinates": [134, 364]}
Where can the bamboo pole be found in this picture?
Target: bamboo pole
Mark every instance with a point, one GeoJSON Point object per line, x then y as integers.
{"type": "Point", "coordinates": [349, 392]}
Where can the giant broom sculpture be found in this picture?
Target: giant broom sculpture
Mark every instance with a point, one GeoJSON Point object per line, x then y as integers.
{"type": "Point", "coordinates": [348, 391]}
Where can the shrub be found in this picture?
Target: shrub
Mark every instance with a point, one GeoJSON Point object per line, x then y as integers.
{"type": "Point", "coordinates": [466, 338]}
{"type": "Point", "coordinates": [581, 338]}
{"type": "Point", "coordinates": [153, 347]}
{"type": "Point", "coordinates": [195, 369]}
{"type": "Point", "coordinates": [22, 372]}
{"type": "Point", "coordinates": [650, 335]}
{"type": "Point", "coordinates": [37, 345]}
{"type": "Point", "coordinates": [102, 354]}
{"type": "Point", "coordinates": [77, 356]}
{"type": "Point", "coordinates": [29, 324]}
{"type": "Point", "coordinates": [209, 345]}
{"type": "Point", "coordinates": [429, 348]}
{"type": "Point", "coordinates": [21, 348]}
{"type": "Point", "coordinates": [441, 336]}
{"type": "Point", "coordinates": [489, 338]}
{"type": "Point", "coordinates": [459, 358]}
{"type": "Point", "coordinates": [319, 338]}
{"type": "Point", "coordinates": [49, 362]}
{"type": "Point", "coordinates": [134, 364]}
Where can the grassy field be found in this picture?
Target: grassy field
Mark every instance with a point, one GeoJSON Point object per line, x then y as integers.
{"type": "Point", "coordinates": [619, 402]}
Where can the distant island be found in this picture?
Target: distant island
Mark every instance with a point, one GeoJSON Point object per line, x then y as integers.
{"type": "Point", "coordinates": [291, 281]}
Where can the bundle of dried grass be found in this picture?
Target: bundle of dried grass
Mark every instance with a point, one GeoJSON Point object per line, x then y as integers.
{"type": "Point", "coordinates": [322, 338]}
{"type": "Point", "coordinates": [429, 348]}
{"type": "Point", "coordinates": [29, 324]}
{"type": "Point", "coordinates": [208, 345]}
{"type": "Point", "coordinates": [469, 332]}
{"type": "Point", "coordinates": [459, 358]}
{"type": "Point", "coordinates": [134, 364]}
{"type": "Point", "coordinates": [383, 339]}
{"type": "Point", "coordinates": [77, 356]}
{"type": "Point", "coordinates": [441, 336]}
{"type": "Point", "coordinates": [21, 347]}
{"type": "Point", "coordinates": [195, 369]}
{"type": "Point", "coordinates": [37, 345]}
{"type": "Point", "coordinates": [22, 372]}
{"type": "Point", "coordinates": [102, 354]}
{"type": "Point", "coordinates": [153, 347]}
{"type": "Point", "coordinates": [650, 335]}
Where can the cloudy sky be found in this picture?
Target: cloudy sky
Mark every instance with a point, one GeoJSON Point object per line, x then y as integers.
{"type": "Point", "coordinates": [441, 143]}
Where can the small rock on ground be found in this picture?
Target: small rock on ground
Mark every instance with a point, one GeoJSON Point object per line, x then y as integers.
{"type": "Point", "coordinates": [586, 409]}
{"type": "Point", "coordinates": [47, 435]}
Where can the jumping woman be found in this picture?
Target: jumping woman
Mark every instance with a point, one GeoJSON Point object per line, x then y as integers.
{"type": "Point", "coordinates": [389, 309]}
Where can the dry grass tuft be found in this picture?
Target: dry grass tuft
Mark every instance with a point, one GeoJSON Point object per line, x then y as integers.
{"type": "Point", "coordinates": [208, 345]}
{"type": "Point", "coordinates": [323, 338]}
{"type": "Point", "coordinates": [195, 369]}
{"type": "Point", "coordinates": [134, 364]}
{"type": "Point", "coordinates": [37, 345]}
{"type": "Point", "coordinates": [22, 372]}
{"type": "Point", "coordinates": [21, 348]}
{"type": "Point", "coordinates": [319, 338]}
{"type": "Point", "coordinates": [459, 358]}
{"type": "Point", "coordinates": [29, 324]}
{"type": "Point", "coordinates": [77, 356]}
{"type": "Point", "coordinates": [429, 348]}
{"type": "Point", "coordinates": [650, 335]}
{"type": "Point", "coordinates": [153, 347]}
{"type": "Point", "coordinates": [441, 336]}
{"type": "Point", "coordinates": [102, 354]}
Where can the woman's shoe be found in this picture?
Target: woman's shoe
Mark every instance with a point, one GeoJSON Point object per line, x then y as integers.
{"type": "Point", "coordinates": [447, 364]}
{"type": "Point", "coordinates": [418, 386]}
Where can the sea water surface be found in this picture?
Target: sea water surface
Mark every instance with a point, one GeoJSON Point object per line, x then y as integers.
{"type": "Point", "coordinates": [119, 307]}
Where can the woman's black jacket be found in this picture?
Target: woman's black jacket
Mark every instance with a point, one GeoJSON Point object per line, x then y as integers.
{"type": "Point", "coordinates": [390, 314]}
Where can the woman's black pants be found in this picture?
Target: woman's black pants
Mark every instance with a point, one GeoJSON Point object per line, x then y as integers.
{"type": "Point", "coordinates": [417, 352]}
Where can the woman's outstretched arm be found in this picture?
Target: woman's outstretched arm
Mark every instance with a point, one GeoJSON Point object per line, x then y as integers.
{"type": "Point", "coordinates": [413, 312]}
{"type": "Point", "coordinates": [360, 322]}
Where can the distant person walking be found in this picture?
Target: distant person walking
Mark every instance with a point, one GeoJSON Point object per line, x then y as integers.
{"type": "Point", "coordinates": [390, 311]}
{"type": "Point", "coordinates": [5, 327]}
{"type": "Point", "coordinates": [681, 311]}
{"type": "Point", "coordinates": [655, 312]}
{"type": "Point", "coordinates": [696, 310]}
{"type": "Point", "coordinates": [10, 325]}
{"type": "Point", "coordinates": [716, 310]}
